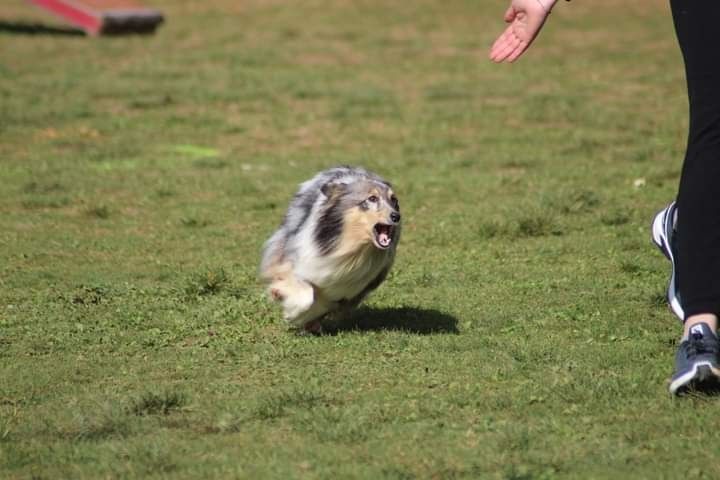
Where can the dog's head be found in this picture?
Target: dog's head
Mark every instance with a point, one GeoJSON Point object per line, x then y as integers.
{"type": "Point", "coordinates": [368, 210]}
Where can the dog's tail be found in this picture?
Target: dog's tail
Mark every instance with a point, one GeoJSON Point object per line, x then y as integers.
{"type": "Point", "coordinates": [273, 255]}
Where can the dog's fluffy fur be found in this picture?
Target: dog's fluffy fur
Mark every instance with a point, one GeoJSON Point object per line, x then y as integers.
{"type": "Point", "coordinates": [335, 245]}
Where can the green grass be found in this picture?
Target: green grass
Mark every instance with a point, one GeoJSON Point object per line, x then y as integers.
{"type": "Point", "coordinates": [521, 335]}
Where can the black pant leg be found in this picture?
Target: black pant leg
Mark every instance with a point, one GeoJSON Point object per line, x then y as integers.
{"type": "Point", "coordinates": [696, 25]}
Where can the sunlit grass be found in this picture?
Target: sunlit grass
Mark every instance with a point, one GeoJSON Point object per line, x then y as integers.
{"type": "Point", "coordinates": [521, 334]}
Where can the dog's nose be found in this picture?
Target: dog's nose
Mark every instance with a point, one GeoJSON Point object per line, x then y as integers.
{"type": "Point", "coordinates": [395, 217]}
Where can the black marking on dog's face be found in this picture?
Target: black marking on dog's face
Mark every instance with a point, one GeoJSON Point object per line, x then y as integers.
{"type": "Point", "coordinates": [329, 229]}
{"type": "Point", "coordinates": [305, 205]}
{"type": "Point", "coordinates": [395, 203]}
{"type": "Point", "coordinates": [330, 223]}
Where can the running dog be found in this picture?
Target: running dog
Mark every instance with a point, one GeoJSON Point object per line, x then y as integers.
{"type": "Point", "coordinates": [336, 244]}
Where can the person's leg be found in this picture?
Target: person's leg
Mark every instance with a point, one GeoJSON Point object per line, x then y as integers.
{"type": "Point", "coordinates": [698, 222]}
{"type": "Point", "coordinates": [697, 231]}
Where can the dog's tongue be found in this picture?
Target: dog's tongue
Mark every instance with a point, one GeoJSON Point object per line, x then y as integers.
{"type": "Point", "coordinates": [383, 238]}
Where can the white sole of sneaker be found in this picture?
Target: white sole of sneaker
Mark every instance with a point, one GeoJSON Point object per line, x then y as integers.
{"type": "Point", "coordinates": [685, 379]}
{"type": "Point", "coordinates": [659, 239]}
{"type": "Point", "coordinates": [658, 232]}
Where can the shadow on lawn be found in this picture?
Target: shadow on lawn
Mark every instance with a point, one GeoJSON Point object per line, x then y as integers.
{"type": "Point", "coordinates": [22, 28]}
{"type": "Point", "coordinates": [405, 319]}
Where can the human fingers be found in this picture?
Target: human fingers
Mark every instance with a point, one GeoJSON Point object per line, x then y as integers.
{"type": "Point", "coordinates": [519, 50]}
{"type": "Point", "coordinates": [526, 32]}
{"type": "Point", "coordinates": [505, 51]}
{"type": "Point", "coordinates": [503, 45]}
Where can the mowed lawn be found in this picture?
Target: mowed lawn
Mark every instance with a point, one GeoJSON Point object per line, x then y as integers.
{"type": "Point", "coordinates": [522, 333]}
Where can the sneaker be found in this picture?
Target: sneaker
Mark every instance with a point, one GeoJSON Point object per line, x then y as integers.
{"type": "Point", "coordinates": [696, 363]}
{"type": "Point", "coordinates": [665, 237]}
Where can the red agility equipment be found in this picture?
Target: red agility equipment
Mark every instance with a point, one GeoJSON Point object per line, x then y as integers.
{"type": "Point", "coordinates": [99, 17]}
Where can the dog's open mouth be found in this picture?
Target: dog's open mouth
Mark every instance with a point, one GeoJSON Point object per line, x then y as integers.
{"type": "Point", "coordinates": [383, 235]}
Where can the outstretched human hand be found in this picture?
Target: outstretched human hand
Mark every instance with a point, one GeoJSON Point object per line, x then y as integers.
{"type": "Point", "coordinates": [525, 19]}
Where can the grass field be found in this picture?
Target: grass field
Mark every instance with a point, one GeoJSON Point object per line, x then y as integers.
{"type": "Point", "coordinates": [521, 335]}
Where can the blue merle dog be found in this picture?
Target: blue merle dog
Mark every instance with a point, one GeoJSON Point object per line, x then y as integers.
{"type": "Point", "coordinates": [336, 244]}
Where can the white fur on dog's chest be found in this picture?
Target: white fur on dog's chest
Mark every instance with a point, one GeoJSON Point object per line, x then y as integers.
{"type": "Point", "coordinates": [341, 278]}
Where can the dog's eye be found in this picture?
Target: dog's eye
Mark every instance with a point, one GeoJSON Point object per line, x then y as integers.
{"type": "Point", "coordinates": [372, 199]}
{"type": "Point", "coordinates": [394, 201]}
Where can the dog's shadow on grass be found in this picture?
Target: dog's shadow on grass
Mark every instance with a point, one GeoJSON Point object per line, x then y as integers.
{"type": "Point", "coordinates": [405, 319]}
{"type": "Point", "coordinates": [25, 28]}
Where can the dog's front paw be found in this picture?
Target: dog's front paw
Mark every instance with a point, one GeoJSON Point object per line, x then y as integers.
{"type": "Point", "coordinates": [298, 303]}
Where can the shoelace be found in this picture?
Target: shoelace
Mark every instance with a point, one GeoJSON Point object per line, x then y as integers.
{"type": "Point", "coordinates": [698, 345]}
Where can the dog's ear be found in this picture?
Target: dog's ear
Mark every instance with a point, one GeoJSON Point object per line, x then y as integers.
{"type": "Point", "coordinates": [333, 189]}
